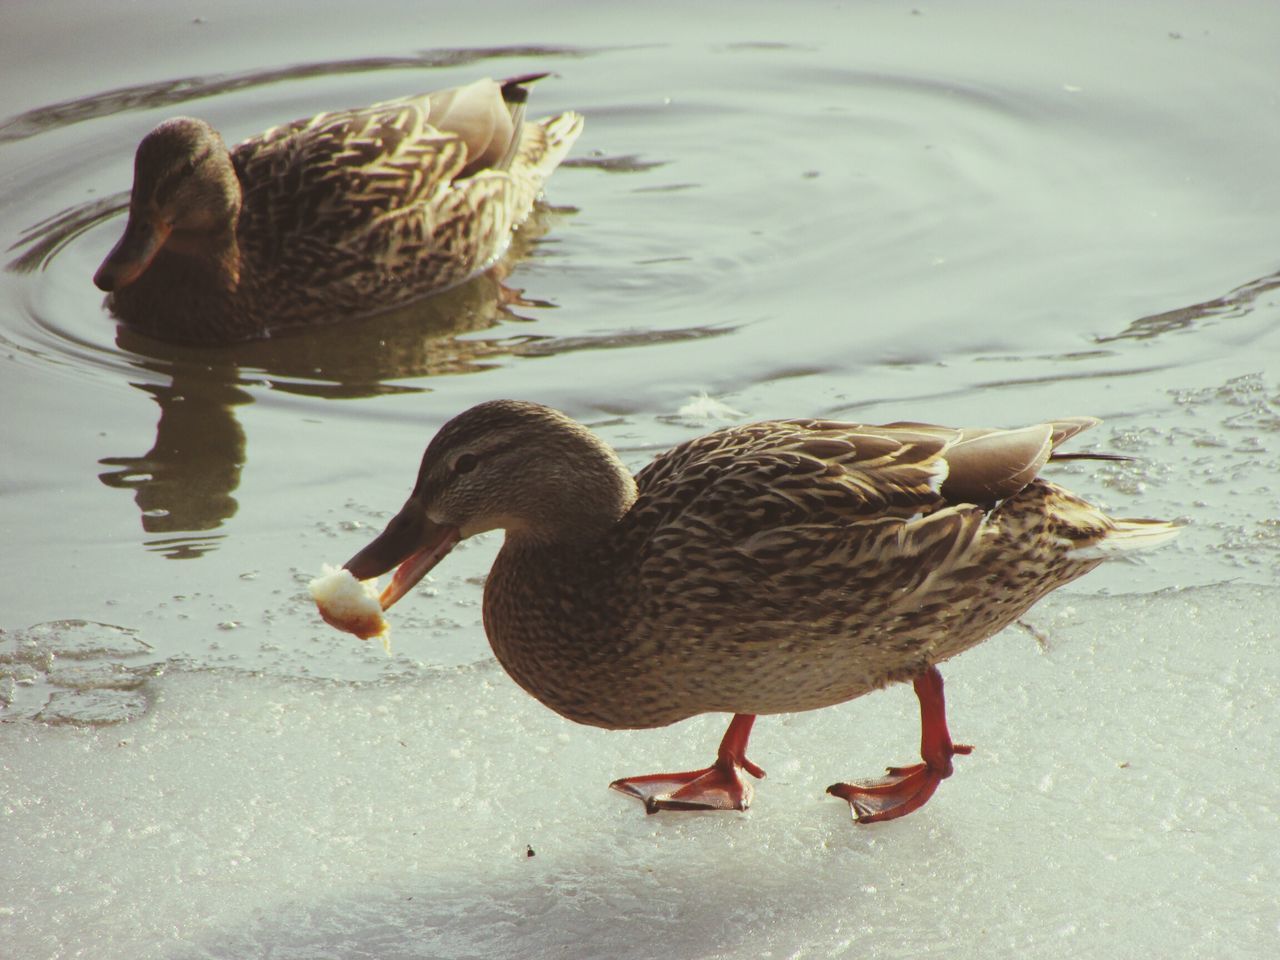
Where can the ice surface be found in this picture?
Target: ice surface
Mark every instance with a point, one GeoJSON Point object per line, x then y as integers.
{"type": "Point", "coordinates": [75, 671]}
{"type": "Point", "coordinates": [1120, 803]}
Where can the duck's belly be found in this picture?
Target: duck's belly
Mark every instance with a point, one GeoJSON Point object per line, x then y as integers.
{"type": "Point", "coordinates": [658, 680]}
{"type": "Point", "coordinates": [668, 687]}
{"type": "Point", "coordinates": [658, 673]}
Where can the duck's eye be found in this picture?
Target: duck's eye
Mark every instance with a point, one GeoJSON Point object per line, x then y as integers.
{"type": "Point", "coordinates": [465, 463]}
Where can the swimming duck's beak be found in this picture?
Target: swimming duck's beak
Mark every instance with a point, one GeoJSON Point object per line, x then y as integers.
{"type": "Point", "coordinates": [142, 240]}
{"type": "Point", "coordinates": [412, 543]}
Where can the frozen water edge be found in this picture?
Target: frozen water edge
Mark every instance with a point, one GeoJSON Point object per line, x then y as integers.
{"type": "Point", "coordinates": [1120, 802]}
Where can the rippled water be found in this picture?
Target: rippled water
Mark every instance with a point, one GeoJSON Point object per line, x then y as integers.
{"type": "Point", "coordinates": [962, 213]}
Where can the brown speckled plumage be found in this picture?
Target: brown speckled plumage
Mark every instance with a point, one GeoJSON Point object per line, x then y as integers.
{"type": "Point", "coordinates": [766, 568]}
{"type": "Point", "coordinates": [335, 216]}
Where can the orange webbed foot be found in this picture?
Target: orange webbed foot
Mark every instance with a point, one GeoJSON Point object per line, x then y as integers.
{"type": "Point", "coordinates": [905, 789]}
{"type": "Point", "coordinates": [717, 787]}
{"type": "Point", "coordinates": [901, 791]}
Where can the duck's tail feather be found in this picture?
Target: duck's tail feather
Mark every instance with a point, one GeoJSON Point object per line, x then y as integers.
{"type": "Point", "coordinates": [1129, 536]}
{"type": "Point", "coordinates": [513, 88]}
{"type": "Point", "coordinates": [558, 135]}
{"type": "Point", "coordinates": [536, 148]}
{"type": "Point", "coordinates": [1056, 457]}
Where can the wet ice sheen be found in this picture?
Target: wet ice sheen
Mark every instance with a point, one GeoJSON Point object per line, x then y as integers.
{"type": "Point", "coordinates": [75, 671]}
{"type": "Point", "coordinates": [1113, 806]}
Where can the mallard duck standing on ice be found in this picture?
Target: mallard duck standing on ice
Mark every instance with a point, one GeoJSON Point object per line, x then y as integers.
{"type": "Point", "coordinates": [760, 569]}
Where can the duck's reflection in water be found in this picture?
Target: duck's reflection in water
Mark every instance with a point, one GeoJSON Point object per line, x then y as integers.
{"type": "Point", "coordinates": [184, 483]}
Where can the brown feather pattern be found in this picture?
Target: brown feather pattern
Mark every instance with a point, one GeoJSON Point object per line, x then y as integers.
{"type": "Point", "coordinates": [341, 214]}
{"type": "Point", "coordinates": [764, 568]}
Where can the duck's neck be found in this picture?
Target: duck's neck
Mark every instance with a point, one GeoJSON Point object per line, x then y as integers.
{"type": "Point", "coordinates": [191, 295]}
{"type": "Point", "coordinates": [549, 599]}
{"type": "Point", "coordinates": [216, 255]}
{"type": "Point", "coordinates": [587, 491]}
{"type": "Point", "coordinates": [551, 619]}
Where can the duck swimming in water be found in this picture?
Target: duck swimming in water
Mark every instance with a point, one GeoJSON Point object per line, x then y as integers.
{"type": "Point", "coordinates": [340, 215]}
{"type": "Point", "coordinates": [767, 568]}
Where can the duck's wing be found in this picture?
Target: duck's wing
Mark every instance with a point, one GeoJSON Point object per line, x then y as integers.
{"type": "Point", "coordinates": [487, 116]}
{"type": "Point", "coordinates": [748, 478]}
{"type": "Point", "coordinates": [904, 505]}
{"type": "Point", "coordinates": [371, 190]}
{"type": "Point", "coordinates": [810, 470]}
{"type": "Point", "coordinates": [330, 175]}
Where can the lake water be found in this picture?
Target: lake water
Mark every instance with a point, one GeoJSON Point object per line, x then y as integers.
{"type": "Point", "coordinates": [966, 213]}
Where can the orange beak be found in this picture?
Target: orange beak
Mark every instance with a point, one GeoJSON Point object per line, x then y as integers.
{"type": "Point", "coordinates": [412, 544]}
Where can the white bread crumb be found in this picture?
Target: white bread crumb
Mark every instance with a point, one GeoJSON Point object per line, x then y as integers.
{"type": "Point", "coordinates": [349, 604]}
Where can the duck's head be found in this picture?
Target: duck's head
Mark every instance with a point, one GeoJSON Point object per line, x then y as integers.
{"type": "Point", "coordinates": [186, 197]}
{"type": "Point", "coordinates": [504, 464]}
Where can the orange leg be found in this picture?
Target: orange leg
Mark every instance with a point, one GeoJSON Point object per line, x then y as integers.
{"type": "Point", "coordinates": [717, 787]}
{"type": "Point", "coordinates": [907, 788]}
